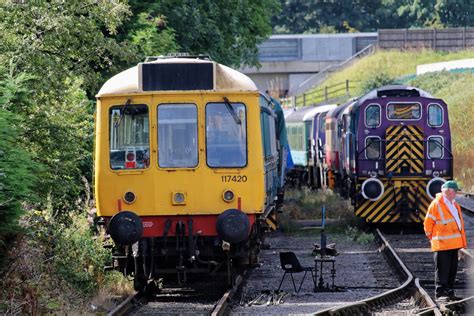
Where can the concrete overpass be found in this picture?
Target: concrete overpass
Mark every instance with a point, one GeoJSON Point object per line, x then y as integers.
{"type": "Point", "coordinates": [288, 60]}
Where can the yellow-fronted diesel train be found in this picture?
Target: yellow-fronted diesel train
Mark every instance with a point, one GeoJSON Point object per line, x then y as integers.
{"type": "Point", "coordinates": [188, 168]}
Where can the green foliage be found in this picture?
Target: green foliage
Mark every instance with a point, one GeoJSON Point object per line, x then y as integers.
{"type": "Point", "coordinates": [228, 31]}
{"type": "Point", "coordinates": [379, 79]}
{"type": "Point", "coordinates": [80, 258]}
{"type": "Point", "coordinates": [17, 169]}
{"type": "Point", "coordinates": [363, 16]}
{"type": "Point", "coordinates": [359, 236]}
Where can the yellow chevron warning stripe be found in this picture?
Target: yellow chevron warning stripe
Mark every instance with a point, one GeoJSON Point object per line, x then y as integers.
{"type": "Point", "coordinates": [404, 150]}
{"type": "Point", "coordinates": [389, 207]}
{"type": "Point", "coordinates": [271, 220]}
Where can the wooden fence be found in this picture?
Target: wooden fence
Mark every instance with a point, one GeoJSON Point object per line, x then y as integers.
{"type": "Point", "coordinates": [449, 39]}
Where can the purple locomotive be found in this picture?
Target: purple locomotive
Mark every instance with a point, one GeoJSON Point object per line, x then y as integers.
{"type": "Point", "coordinates": [390, 152]}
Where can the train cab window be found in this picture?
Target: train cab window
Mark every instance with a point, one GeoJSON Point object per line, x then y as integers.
{"type": "Point", "coordinates": [435, 115]}
{"type": "Point", "coordinates": [404, 111]}
{"type": "Point", "coordinates": [372, 115]}
{"type": "Point", "coordinates": [373, 147]}
{"type": "Point", "coordinates": [226, 135]}
{"type": "Point", "coordinates": [435, 147]}
{"type": "Point", "coordinates": [177, 136]}
{"type": "Point", "coordinates": [129, 137]}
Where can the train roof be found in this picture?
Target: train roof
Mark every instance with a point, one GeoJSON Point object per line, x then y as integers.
{"type": "Point", "coordinates": [308, 113]}
{"type": "Point", "coordinates": [395, 91]}
{"type": "Point", "coordinates": [136, 79]}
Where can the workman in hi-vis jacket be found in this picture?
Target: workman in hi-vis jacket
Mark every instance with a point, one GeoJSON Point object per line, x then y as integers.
{"type": "Point", "coordinates": [444, 226]}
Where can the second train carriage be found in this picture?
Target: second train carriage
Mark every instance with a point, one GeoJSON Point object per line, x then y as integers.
{"type": "Point", "coordinates": [187, 167]}
{"type": "Point", "coordinates": [307, 137]}
{"type": "Point", "coordinates": [390, 151]}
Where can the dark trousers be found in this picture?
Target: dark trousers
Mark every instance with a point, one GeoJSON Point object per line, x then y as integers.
{"type": "Point", "coordinates": [446, 266]}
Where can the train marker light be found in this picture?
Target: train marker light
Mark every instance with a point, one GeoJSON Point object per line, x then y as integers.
{"type": "Point", "coordinates": [228, 196]}
{"type": "Point", "coordinates": [129, 197]}
{"type": "Point", "coordinates": [179, 198]}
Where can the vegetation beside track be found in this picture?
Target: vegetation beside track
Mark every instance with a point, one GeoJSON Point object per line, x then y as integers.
{"type": "Point", "coordinates": [57, 268]}
{"type": "Point", "coordinates": [456, 89]}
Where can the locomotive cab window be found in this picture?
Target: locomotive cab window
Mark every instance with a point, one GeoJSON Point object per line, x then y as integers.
{"type": "Point", "coordinates": [435, 115]}
{"type": "Point", "coordinates": [226, 135]}
{"type": "Point", "coordinates": [372, 115]}
{"type": "Point", "coordinates": [404, 111]}
{"type": "Point", "coordinates": [372, 147]}
{"type": "Point", "coordinates": [435, 147]}
{"type": "Point", "coordinates": [129, 137]}
{"type": "Point", "coordinates": [177, 136]}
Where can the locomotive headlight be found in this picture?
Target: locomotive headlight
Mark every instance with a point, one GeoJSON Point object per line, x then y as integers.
{"type": "Point", "coordinates": [372, 189]}
{"type": "Point", "coordinates": [129, 197]}
{"type": "Point", "coordinates": [228, 196]}
{"type": "Point", "coordinates": [435, 174]}
{"type": "Point", "coordinates": [373, 174]}
{"type": "Point", "coordinates": [434, 186]}
{"type": "Point", "coordinates": [179, 198]}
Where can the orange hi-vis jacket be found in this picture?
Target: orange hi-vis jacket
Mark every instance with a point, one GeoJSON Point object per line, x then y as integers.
{"type": "Point", "coordinates": [441, 228]}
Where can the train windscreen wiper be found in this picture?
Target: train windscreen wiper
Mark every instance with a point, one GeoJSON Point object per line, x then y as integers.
{"type": "Point", "coordinates": [232, 111]}
{"type": "Point", "coordinates": [122, 113]}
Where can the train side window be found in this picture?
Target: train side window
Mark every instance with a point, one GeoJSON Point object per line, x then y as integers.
{"type": "Point", "coordinates": [435, 115]}
{"type": "Point", "coordinates": [372, 147]}
{"type": "Point", "coordinates": [177, 136]}
{"type": "Point", "coordinates": [226, 135]}
{"type": "Point", "coordinates": [129, 137]}
{"type": "Point", "coordinates": [435, 147]}
{"type": "Point", "coordinates": [322, 123]}
{"type": "Point", "coordinates": [372, 116]}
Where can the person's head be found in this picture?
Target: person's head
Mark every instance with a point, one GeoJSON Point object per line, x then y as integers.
{"type": "Point", "coordinates": [449, 189]}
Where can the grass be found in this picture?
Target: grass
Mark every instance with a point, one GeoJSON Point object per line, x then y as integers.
{"type": "Point", "coordinates": [305, 204]}
{"type": "Point", "coordinates": [456, 89]}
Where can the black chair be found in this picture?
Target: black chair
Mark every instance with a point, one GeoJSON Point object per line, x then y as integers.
{"type": "Point", "coordinates": [290, 264]}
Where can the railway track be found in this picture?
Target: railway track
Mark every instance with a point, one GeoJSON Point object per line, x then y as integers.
{"type": "Point", "coordinates": [203, 299]}
{"type": "Point", "coordinates": [409, 255]}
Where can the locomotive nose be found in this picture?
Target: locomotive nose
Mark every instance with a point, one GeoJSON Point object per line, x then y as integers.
{"type": "Point", "coordinates": [125, 228]}
{"type": "Point", "coordinates": [372, 189]}
{"type": "Point", "coordinates": [233, 226]}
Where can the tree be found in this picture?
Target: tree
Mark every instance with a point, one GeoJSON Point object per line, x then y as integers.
{"type": "Point", "coordinates": [17, 169]}
{"type": "Point", "coordinates": [456, 13]}
{"type": "Point", "coordinates": [227, 30]}
{"type": "Point", "coordinates": [66, 47]}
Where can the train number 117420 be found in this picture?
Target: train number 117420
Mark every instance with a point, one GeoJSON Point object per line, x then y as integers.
{"type": "Point", "coordinates": [234, 178]}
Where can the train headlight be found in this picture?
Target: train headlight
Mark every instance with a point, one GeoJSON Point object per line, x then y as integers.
{"type": "Point", "coordinates": [179, 198]}
{"type": "Point", "coordinates": [372, 189]}
{"type": "Point", "coordinates": [228, 196]}
{"type": "Point", "coordinates": [434, 186]}
{"type": "Point", "coordinates": [129, 197]}
{"type": "Point", "coordinates": [435, 174]}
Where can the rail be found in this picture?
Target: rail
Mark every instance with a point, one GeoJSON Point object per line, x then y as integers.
{"type": "Point", "coordinates": [410, 286]}
{"type": "Point", "coordinates": [126, 305]}
{"type": "Point", "coordinates": [222, 305]}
